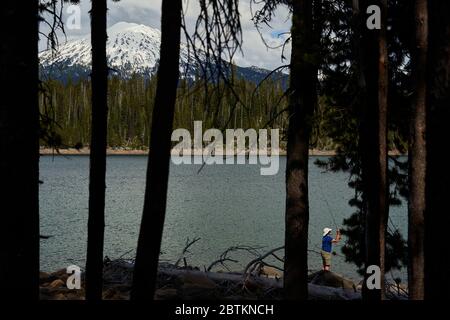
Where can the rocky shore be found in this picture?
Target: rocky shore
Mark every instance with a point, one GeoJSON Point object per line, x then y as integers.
{"type": "Point", "coordinates": [186, 283]}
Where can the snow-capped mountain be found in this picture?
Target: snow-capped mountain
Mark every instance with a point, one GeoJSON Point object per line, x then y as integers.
{"type": "Point", "coordinates": [131, 49]}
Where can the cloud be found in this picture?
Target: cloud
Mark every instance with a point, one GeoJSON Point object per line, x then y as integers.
{"type": "Point", "coordinates": [145, 16]}
{"type": "Point", "coordinates": [255, 51]}
{"type": "Point", "coordinates": [148, 12]}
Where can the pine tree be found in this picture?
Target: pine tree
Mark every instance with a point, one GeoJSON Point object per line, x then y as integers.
{"type": "Point", "coordinates": [19, 148]}
{"type": "Point", "coordinates": [97, 173]}
{"type": "Point", "coordinates": [149, 243]}
{"type": "Point", "coordinates": [437, 278]}
{"type": "Point", "coordinates": [417, 158]}
{"type": "Point", "coordinates": [303, 77]}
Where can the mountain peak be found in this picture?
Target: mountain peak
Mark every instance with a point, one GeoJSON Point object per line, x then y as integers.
{"type": "Point", "coordinates": [124, 27]}
{"type": "Point", "coordinates": [131, 49]}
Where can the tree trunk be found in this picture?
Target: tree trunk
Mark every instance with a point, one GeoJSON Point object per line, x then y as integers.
{"type": "Point", "coordinates": [301, 107]}
{"type": "Point", "coordinates": [147, 255]}
{"type": "Point", "coordinates": [383, 186]}
{"type": "Point", "coordinates": [96, 221]}
{"type": "Point", "coordinates": [373, 143]}
{"type": "Point", "coordinates": [437, 219]}
{"type": "Point", "coordinates": [19, 149]}
{"type": "Point", "coordinates": [417, 157]}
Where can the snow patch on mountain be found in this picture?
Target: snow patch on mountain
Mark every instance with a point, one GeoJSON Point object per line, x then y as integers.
{"type": "Point", "coordinates": [131, 49]}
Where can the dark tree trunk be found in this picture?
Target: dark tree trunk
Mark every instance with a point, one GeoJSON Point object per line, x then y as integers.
{"type": "Point", "coordinates": [437, 218]}
{"type": "Point", "coordinates": [19, 150]}
{"type": "Point", "coordinates": [373, 142]}
{"type": "Point", "coordinates": [383, 185]}
{"type": "Point", "coordinates": [301, 107]}
{"type": "Point", "coordinates": [417, 157]}
{"type": "Point", "coordinates": [147, 255]}
{"type": "Point", "coordinates": [96, 221]}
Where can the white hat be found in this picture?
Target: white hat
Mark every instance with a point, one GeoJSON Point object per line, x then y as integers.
{"type": "Point", "coordinates": [326, 231]}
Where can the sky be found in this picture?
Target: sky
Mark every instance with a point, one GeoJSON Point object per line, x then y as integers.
{"type": "Point", "coordinates": [148, 12]}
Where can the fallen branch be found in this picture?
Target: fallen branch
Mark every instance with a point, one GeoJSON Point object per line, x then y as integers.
{"type": "Point", "coordinates": [224, 256]}
{"type": "Point", "coordinates": [186, 250]}
{"type": "Point", "coordinates": [262, 257]}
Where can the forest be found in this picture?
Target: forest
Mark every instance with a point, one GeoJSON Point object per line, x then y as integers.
{"type": "Point", "coordinates": [368, 84]}
{"type": "Point", "coordinates": [244, 105]}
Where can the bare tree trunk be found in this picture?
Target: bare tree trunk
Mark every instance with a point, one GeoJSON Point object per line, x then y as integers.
{"type": "Point", "coordinates": [97, 173]}
{"type": "Point", "coordinates": [383, 186]}
{"type": "Point", "coordinates": [301, 107]}
{"type": "Point", "coordinates": [19, 149]}
{"type": "Point", "coordinates": [147, 255]}
{"type": "Point", "coordinates": [373, 146]}
{"type": "Point", "coordinates": [437, 218]}
{"type": "Point", "coordinates": [417, 158]}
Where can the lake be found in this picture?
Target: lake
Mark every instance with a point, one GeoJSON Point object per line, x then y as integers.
{"type": "Point", "coordinates": [223, 205]}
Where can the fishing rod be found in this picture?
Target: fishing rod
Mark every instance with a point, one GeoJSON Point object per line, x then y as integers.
{"type": "Point", "coordinates": [332, 216]}
{"type": "Point", "coordinates": [330, 212]}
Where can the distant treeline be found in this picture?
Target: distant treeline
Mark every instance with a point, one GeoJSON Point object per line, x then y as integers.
{"type": "Point", "coordinates": [130, 103]}
{"type": "Point", "coordinates": [243, 104]}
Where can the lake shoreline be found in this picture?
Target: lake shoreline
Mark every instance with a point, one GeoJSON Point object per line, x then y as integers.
{"type": "Point", "coordinates": [188, 283]}
{"type": "Point", "coordinates": [144, 152]}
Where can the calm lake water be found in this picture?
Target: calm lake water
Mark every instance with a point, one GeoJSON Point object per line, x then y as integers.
{"type": "Point", "coordinates": [224, 205]}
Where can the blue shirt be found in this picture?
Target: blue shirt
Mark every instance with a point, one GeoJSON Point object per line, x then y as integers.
{"type": "Point", "coordinates": [327, 243]}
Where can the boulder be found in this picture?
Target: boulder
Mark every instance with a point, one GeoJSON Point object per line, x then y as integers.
{"type": "Point", "coordinates": [58, 283]}
{"type": "Point", "coordinates": [60, 274]}
{"type": "Point", "coordinates": [43, 276]}
{"type": "Point", "coordinates": [331, 279]}
{"type": "Point", "coordinates": [271, 272]}
{"type": "Point", "coordinates": [114, 293]}
{"type": "Point", "coordinates": [316, 292]}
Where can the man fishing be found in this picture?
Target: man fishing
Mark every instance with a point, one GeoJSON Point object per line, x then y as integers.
{"type": "Point", "coordinates": [327, 243]}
